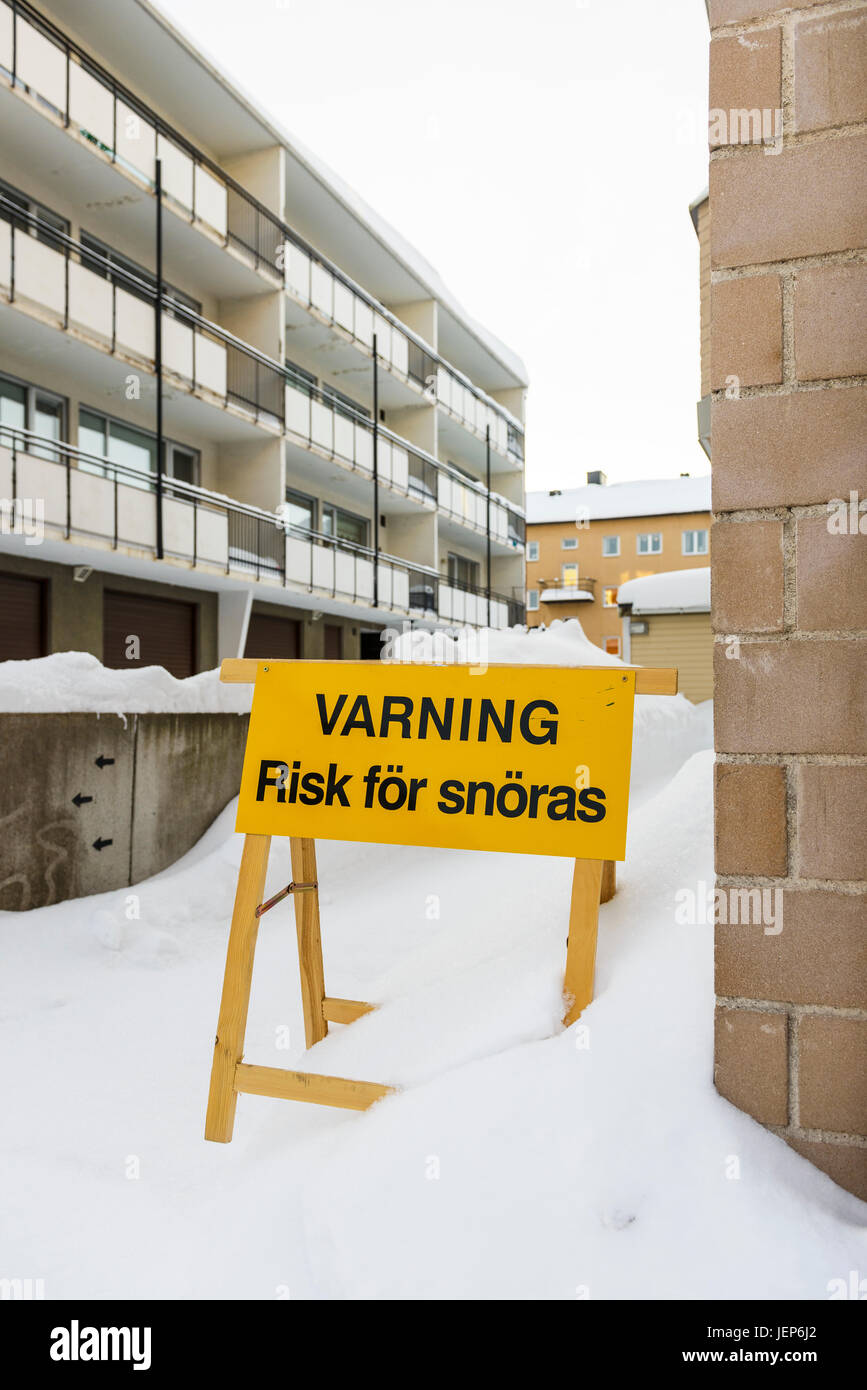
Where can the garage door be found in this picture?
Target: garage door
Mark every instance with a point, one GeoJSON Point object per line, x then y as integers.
{"type": "Point", "coordinates": [268, 636]}
{"type": "Point", "coordinates": [22, 618]}
{"type": "Point", "coordinates": [165, 628]}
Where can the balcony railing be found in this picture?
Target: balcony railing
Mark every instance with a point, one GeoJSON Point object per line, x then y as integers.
{"type": "Point", "coordinates": [37, 57]}
{"type": "Point", "coordinates": [47, 485]}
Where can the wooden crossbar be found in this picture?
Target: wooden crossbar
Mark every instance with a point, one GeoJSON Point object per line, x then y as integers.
{"type": "Point", "coordinates": [308, 1085]}
{"type": "Point", "coordinates": [649, 680]}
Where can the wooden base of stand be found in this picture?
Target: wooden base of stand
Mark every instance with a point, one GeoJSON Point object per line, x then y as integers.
{"type": "Point", "coordinates": [593, 881]}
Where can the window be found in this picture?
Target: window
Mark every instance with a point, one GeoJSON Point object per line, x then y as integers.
{"type": "Point", "coordinates": [47, 221]}
{"type": "Point", "coordinates": [463, 572]}
{"type": "Point", "coordinates": [570, 576]}
{"type": "Point", "coordinates": [344, 405]}
{"type": "Point", "coordinates": [119, 268]}
{"type": "Point", "coordinates": [302, 380]}
{"type": "Point", "coordinates": [569, 543]}
{"type": "Point", "coordinates": [649, 543]}
{"type": "Point", "coordinates": [609, 598]}
{"type": "Point", "coordinates": [300, 510]}
{"type": "Point", "coordinates": [610, 545]}
{"type": "Point", "coordinates": [612, 646]}
{"type": "Point", "coordinates": [694, 542]}
{"type": "Point", "coordinates": [26, 407]}
{"type": "Point", "coordinates": [532, 600]}
{"type": "Point", "coordinates": [134, 449]}
{"type": "Point", "coordinates": [343, 526]}
{"type": "Point", "coordinates": [532, 551]}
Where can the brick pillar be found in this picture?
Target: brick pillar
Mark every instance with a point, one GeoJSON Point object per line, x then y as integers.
{"type": "Point", "coordinates": [788, 219]}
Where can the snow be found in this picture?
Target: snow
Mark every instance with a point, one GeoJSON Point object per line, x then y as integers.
{"type": "Point", "coordinates": [68, 681]}
{"type": "Point", "coordinates": [674, 591]}
{"type": "Point", "coordinates": [519, 1159]}
{"type": "Point", "coordinates": [604, 501]}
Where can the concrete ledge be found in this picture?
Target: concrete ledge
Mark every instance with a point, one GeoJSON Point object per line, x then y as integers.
{"type": "Point", "coordinates": [148, 786]}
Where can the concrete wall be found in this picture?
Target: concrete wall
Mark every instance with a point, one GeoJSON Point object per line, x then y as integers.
{"type": "Point", "coordinates": [788, 372]}
{"type": "Point", "coordinates": [171, 775]}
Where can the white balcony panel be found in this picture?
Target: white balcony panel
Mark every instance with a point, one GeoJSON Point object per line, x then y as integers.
{"type": "Point", "coordinates": [444, 390]}
{"type": "Point", "coordinates": [364, 579]}
{"type": "Point", "coordinates": [91, 106]}
{"type": "Point", "coordinates": [481, 512]}
{"type": "Point", "coordinates": [363, 448]}
{"type": "Point", "coordinates": [211, 365]}
{"type": "Point", "coordinates": [500, 522]}
{"type": "Point", "coordinates": [344, 573]}
{"type": "Point", "coordinates": [6, 37]}
{"type": "Point", "coordinates": [134, 324]}
{"type": "Point", "coordinates": [399, 351]}
{"type": "Point", "coordinates": [212, 536]}
{"type": "Point", "coordinates": [444, 491]}
{"type": "Point", "coordinates": [385, 587]}
{"type": "Point", "coordinates": [383, 460]}
{"type": "Point", "coordinates": [40, 64]}
{"type": "Point", "coordinates": [40, 274]}
{"type": "Point", "coordinates": [343, 298]}
{"type": "Point", "coordinates": [136, 516]}
{"type": "Point", "coordinates": [344, 437]}
{"type": "Point", "coordinates": [298, 560]}
{"type": "Point", "coordinates": [38, 478]}
{"type": "Point", "coordinates": [211, 200]}
{"type": "Point", "coordinates": [499, 613]}
{"type": "Point", "coordinates": [500, 433]}
{"type": "Point", "coordinates": [322, 289]}
{"type": "Point", "coordinates": [445, 601]}
{"type": "Point", "coordinates": [399, 467]}
{"type": "Point", "coordinates": [89, 301]}
{"type": "Point", "coordinates": [178, 347]}
{"type": "Point", "coordinates": [382, 333]}
{"type": "Point", "coordinates": [297, 412]}
{"type": "Point", "coordinates": [177, 171]}
{"type": "Point", "coordinates": [136, 142]}
{"type": "Point", "coordinates": [297, 272]}
{"type": "Point", "coordinates": [91, 503]}
{"type": "Point", "coordinates": [322, 427]}
{"type": "Point", "coordinates": [5, 454]}
{"type": "Point", "coordinates": [5, 253]}
{"type": "Point", "coordinates": [178, 527]}
{"type": "Point", "coordinates": [363, 322]}
{"type": "Point", "coordinates": [400, 588]}
{"type": "Point", "coordinates": [323, 567]}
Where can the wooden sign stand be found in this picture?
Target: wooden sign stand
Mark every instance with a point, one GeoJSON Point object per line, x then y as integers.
{"type": "Point", "coordinates": [593, 881]}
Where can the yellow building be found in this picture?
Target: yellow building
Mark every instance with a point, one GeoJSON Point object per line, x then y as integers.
{"type": "Point", "coordinates": [665, 621]}
{"type": "Point", "coordinates": [583, 543]}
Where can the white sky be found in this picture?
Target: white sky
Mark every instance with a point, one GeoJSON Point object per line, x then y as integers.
{"type": "Point", "coordinates": [542, 154]}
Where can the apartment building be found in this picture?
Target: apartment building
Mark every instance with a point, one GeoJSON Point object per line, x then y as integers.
{"type": "Point", "coordinates": [238, 413]}
{"type": "Point", "coordinates": [583, 543]}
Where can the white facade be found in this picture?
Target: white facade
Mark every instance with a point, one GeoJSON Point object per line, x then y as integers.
{"type": "Point", "coordinates": [278, 287]}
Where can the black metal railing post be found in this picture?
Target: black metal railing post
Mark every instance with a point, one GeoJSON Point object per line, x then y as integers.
{"type": "Point", "coordinates": [158, 355]}
{"type": "Point", "coordinates": [375, 475]}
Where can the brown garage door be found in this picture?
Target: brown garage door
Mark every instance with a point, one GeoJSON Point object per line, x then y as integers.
{"type": "Point", "coordinates": [22, 618]}
{"type": "Point", "coordinates": [267, 636]}
{"type": "Point", "coordinates": [165, 628]}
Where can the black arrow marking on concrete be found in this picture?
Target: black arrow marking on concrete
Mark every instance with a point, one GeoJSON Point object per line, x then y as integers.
{"type": "Point", "coordinates": [79, 800]}
{"type": "Point", "coordinates": [101, 844]}
{"type": "Point", "coordinates": [103, 761]}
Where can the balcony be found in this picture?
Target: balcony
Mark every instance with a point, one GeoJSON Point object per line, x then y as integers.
{"type": "Point", "coordinates": [71, 495]}
{"type": "Point", "coordinates": [555, 591]}
{"type": "Point", "coordinates": [84, 101]}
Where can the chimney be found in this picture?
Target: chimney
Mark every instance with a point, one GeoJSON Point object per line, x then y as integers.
{"type": "Point", "coordinates": [597, 477]}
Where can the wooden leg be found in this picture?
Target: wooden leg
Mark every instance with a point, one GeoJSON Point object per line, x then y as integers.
{"type": "Point", "coordinates": [232, 1024]}
{"type": "Point", "coordinates": [609, 880]}
{"type": "Point", "coordinates": [581, 945]}
{"type": "Point", "coordinates": [303, 854]}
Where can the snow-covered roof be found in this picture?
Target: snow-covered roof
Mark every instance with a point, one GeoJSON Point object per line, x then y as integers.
{"type": "Point", "coordinates": [600, 502]}
{"type": "Point", "coordinates": [674, 591]}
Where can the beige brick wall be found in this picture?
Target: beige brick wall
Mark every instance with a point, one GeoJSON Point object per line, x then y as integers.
{"type": "Point", "coordinates": [787, 368]}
